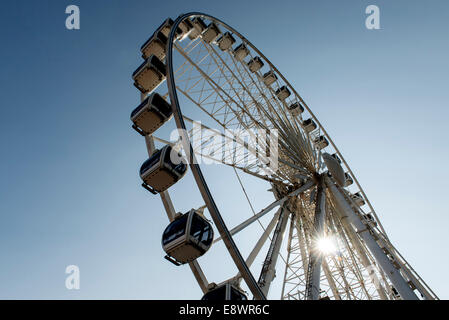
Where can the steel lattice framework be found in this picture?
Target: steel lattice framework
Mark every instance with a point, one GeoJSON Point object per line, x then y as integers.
{"type": "Point", "coordinates": [228, 95]}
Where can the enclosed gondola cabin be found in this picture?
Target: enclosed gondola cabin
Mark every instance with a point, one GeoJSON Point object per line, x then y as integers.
{"type": "Point", "coordinates": [186, 27]}
{"type": "Point", "coordinates": [165, 27]}
{"type": "Point", "coordinates": [309, 125]}
{"type": "Point", "coordinates": [283, 93]}
{"type": "Point", "coordinates": [226, 41]}
{"type": "Point", "coordinates": [211, 33]}
{"type": "Point", "coordinates": [240, 52]}
{"type": "Point", "coordinates": [150, 74]}
{"type": "Point", "coordinates": [269, 78]}
{"type": "Point", "coordinates": [163, 169]}
{"type": "Point", "coordinates": [223, 292]}
{"type": "Point", "coordinates": [370, 220]}
{"type": "Point", "coordinates": [151, 114]}
{"type": "Point", "coordinates": [295, 109]}
{"type": "Point", "coordinates": [349, 180]}
{"type": "Point", "coordinates": [187, 238]}
{"type": "Point", "coordinates": [155, 46]}
{"type": "Point", "coordinates": [321, 142]}
{"type": "Point", "coordinates": [198, 27]}
{"type": "Point", "coordinates": [255, 64]}
{"type": "Point", "coordinates": [358, 199]}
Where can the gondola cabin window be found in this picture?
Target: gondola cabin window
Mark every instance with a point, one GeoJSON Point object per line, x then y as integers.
{"type": "Point", "coordinates": [176, 229]}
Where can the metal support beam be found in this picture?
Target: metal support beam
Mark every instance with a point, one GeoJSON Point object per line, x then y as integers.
{"type": "Point", "coordinates": [316, 257]}
{"type": "Point", "coordinates": [252, 256]}
{"type": "Point", "coordinates": [364, 258]}
{"type": "Point", "coordinates": [330, 280]}
{"type": "Point", "coordinates": [289, 250]}
{"type": "Point", "coordinates": [302, 239]}
{"type": "Point", "coordinates": [392, 273]}
{"type": "Point", "coordinates": [268, 272]}
{"type": "Point", "coordinates": [259, 215]}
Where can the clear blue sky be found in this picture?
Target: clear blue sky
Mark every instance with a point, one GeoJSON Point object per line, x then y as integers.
{"type": "Point", "coordinates": [69, 188]}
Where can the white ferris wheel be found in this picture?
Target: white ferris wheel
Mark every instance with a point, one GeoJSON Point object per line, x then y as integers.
{"type": "Point", "coordinates": [321, 237]}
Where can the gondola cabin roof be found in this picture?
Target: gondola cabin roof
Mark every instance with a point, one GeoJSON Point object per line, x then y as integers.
{"type": "Point", "coordinates": [224, 292]}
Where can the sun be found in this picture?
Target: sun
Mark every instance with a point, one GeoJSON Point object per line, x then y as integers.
{"type": "Point", "coordinates": [326, 245]}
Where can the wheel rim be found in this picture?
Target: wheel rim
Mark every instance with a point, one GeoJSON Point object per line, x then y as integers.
{"type": "Point", "coordinates": [258, 106]}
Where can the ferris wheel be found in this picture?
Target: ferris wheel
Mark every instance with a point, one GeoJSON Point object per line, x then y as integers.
{"type": "Point", "coordinates": [322, 238]}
